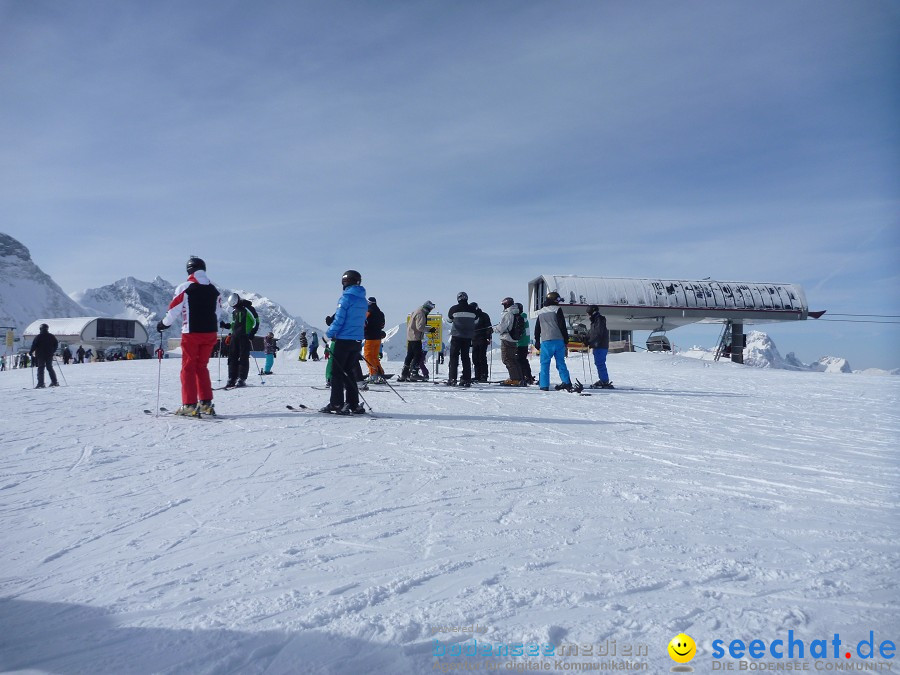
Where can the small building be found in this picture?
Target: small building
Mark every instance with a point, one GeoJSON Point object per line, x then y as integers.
{"type": "Point", "coordinates": [94, 332]}
{"type": "Point", "coordinates": [663, 304]}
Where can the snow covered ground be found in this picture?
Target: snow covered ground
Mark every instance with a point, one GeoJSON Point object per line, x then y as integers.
{"type": "Point", "coordinates": [723, 501]}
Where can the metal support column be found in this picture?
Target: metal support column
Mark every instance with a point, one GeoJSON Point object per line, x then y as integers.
{"type": "Point", "coordinates": [737, 342]}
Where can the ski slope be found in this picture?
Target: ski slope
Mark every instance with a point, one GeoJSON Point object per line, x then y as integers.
{"type": "Point", "coordinates": [712, 499]}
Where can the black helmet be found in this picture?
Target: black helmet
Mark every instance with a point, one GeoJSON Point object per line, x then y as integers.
{"type": "Point", "coordinates": [44, 327]}
{"type": "Point", "coordinates": [593, 309]}
{"type": "Point", "coordinates": [462, 296]}
{"type": "Point", "coordinates": [351, 278]}
{"type": "Point", "coordinates": [194, 263]}
{"type": "Point", "coordinates": [474, 305]}
{"type": "Point", "coordinates": [373, 301]}
{"type": "Point", "coordinates": [521, 308]}
{"type": "Point", "coordinates": [507, 301]}
{"type": "Point", "coordinates": [552, 298]}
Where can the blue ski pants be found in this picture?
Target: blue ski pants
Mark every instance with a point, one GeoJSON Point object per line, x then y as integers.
{"type": "Point", "coordinates": [555, 349]}
{"type": "Point", "coordinates": [600, 362]}
{"type": "Point", "coordinates": [270, 361]}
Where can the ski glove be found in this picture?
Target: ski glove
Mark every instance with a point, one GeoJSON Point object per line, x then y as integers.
{"type": "Point", "coordinates": [160, 327]}
{"type": "Point", "coordinates": [329, 320]}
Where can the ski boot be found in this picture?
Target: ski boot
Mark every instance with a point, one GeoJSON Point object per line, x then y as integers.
{"type": "Point", "coordinates": [450, 383]}
{"type": "Point", "coordinates": [39, 386]}
{"type": "Point", "coordinates": [206, 408]}
{"type": "Point", "coordinates": [230, 384]}
{"type": "Point", "coordinates": [465, 383]}
{"type": "Point", "coordinates": [377, 379]}
{"type": "Point", "coordinates": [333, 409]}
{"type": "Point", "coordinates": [545, 388]}
{"type": "Point", "coordinates": [358, 409]}
{"type": "Point", "coordinates": [567, 386]}
{"type": "Point", "coordinates": [362, 386]}
{"type": "Point", "coordinates": [54, 384]}
{"type": "Point", "coordinates": [241, 383]}
{"type": "Point", "coordinates": [188, 410]}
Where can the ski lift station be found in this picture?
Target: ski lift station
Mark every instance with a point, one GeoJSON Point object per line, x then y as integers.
{"type": "Point", "coordinates": [659, 305]}
{"type": "Point", "coordinates": [92, 331]}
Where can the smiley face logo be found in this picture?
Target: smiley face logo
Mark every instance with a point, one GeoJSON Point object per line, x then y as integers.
{"type": "Point", "coordinates": [682, 648]}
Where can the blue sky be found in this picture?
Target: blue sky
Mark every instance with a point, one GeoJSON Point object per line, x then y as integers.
{"type": "Point", "coordinates": [440, 146]}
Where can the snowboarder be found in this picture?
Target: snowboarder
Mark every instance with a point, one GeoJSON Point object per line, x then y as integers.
{"type": "Point", "coordinates": [346, 333]}
{"type": "Point", "coordinates": [480, 343]}
{"type": "Point", "coordinates": [551, 324]}
{"type": "Point", "coordinates": [462, 317]}
{"type": "Point", "coordinates": [198, 304]}
{"type": "Point", "coordinates": [43, 347]}
{"type": "Point", "coordinates": [509, 342]}
{"type": "Point", "coordinates": [598, 341]}
{"type": "Point", "coordinates": [244, 324]}
{"type": "Point", "coordinates": [314, 347]}
{"type": "Point", "coordinates": [374, 333]}
{"type": "Point", "coordinates": [522, 348]}
{"type": "Point", "coordinates": [416, 328]}
{"type": "Point", "coordinates": [270, 343]}
{"type": "Point", "coordinates": [304, 345]}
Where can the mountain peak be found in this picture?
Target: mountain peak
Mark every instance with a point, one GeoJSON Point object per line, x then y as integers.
{"type": "Point", "coordinates": [13, 248]}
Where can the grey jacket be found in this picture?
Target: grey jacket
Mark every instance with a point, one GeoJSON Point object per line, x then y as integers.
{"type": "Point", "coordinates": [506, 323]}
{"type": "Point", "coordinates": [550, 324]}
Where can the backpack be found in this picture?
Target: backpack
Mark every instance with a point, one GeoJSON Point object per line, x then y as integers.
{"type": "Point", "coordinates": [517, 330]}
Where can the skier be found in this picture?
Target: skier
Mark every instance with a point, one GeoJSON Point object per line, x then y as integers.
{"type": "Point", "coordinates": [198, 303]}
{"type": "Point", "coordinates": [480, 343]}
{"type": "Point", "coordinates": [271, 346]}
{"type": "Point", "coordinates": [304, 346]}
{"type": "Point", "coordinates": [522, 348]}
{"type": "Point", "coordinates": [551, 323]}
{"type": "Point", "coordinates": [598, 341]}
{"type": "Point", "coordinates": [43, 347]}
{"type": "Point", "coordinates": [314, 347]}
{"type": "Point", "coordinates": [462, 317]}
{"type": "Point", "coordinates": [79, 354]}
{"type": "Point", "coordinates": [509, 342]}
{"type": "Point", "coordinates": [373, 333]}
{"type": "Point", "coordinates": [66, 355]}
{"type": "Point", "coordinates": [415, 331]}
{"type": "Point", "coordinates": [244, 324]}
{"type": "Point", "coordinates": [346, 333]}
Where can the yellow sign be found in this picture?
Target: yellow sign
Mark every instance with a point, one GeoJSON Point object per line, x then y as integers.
{"type": "Point", "coordinates": [434, 338]}
{"type": "Point", "coordinates": [432, 341]}
{"type": "Point", "coordinates": [9, 339]}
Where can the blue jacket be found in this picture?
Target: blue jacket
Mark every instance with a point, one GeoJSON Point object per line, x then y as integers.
{"type": "Point", "coordinates": [350, 317]}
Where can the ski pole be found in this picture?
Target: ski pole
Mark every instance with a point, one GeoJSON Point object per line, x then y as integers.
{"type": "Point", "coordinates": [60, 371]}
{"type": "Point", "coordinates": [386, 381]}
{"type": "Point", "coordinates": [159, 354]}
{"type": "Point", "coordinates": [32, 373]}
{"type": "Point", "coordinates": [491, 366]}
{"type": "Point", "coordinates": [584, 366]}
{"type": "Point", "coordinates": [219, 359]}
{"type": "Point", "coordinates": [256, 363]}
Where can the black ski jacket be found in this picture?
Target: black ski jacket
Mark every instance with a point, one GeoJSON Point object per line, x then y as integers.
{"type": "Point", "coordinates": [463, 320]}
{"type": "Point", "coordinates": [483, 327]}
{"type": "Point", "coordinates": [598, 335]}
{"type": "Point", "coordinates": [374, 323]}
{"type": "Point", "coordinates": [44, 345]}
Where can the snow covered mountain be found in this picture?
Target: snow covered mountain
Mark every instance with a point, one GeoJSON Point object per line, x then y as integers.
{"type": "Point", "coordinates": [146, 301]}
{"type": "Point", "coordinates": [129, 298]}
{"type": "Point", "coordinates": [27, 293]}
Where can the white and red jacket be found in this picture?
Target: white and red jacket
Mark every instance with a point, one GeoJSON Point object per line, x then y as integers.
{"type": "Point", "coordinates": [198, 303]}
